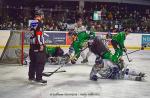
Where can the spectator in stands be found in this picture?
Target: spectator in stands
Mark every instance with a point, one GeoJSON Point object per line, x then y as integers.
{"type": "Point", "coordinates": [129, 15]}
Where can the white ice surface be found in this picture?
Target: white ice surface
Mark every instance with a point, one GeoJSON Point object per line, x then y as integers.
{"type": "Point", "coordinates": [75, 82]}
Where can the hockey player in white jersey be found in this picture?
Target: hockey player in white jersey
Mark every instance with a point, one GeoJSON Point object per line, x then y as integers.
{"type": "Point", "coordinates": [106, 68]}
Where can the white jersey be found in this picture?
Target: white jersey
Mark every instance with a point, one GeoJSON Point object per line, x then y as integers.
{"type": "Point", "coordinates": [106, 69]}
{"type": "Point", "coordinates": [106, 72]}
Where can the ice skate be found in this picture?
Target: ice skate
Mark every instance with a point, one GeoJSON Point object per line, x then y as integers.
{"type": "Point", "coordinates": [42, 82]}
{"type": "Point", "coordinates": [31, 80]}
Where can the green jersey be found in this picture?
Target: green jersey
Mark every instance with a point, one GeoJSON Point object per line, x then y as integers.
{"type": "Point", "coordinates": [81, 41]}
{"type": "Point", "coordinates": [50, 50]}
{"type": "Point", "coordinates": [120, 38]}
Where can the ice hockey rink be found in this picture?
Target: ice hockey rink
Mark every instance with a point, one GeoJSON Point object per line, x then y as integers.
{"type": "Point", "coordinates": [75, 83]}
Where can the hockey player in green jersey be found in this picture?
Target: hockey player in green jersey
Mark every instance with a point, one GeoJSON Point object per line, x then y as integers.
{"type": "Point", "coordinates": [80, 42]}
{"type": "Point", "coordinates": [118, 44]}
{"type": "Point", "coordinates": [53, 53]}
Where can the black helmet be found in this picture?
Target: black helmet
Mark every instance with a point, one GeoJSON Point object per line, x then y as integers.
{"type": "Point", "coordinates": [39, 12]}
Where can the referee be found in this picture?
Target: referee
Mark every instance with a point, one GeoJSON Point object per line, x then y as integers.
{"type": "Point", "coordinates": [37, 52]}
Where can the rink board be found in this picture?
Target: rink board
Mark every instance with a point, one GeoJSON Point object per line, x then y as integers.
{"type": "Point", "coordinates": [60, 38]}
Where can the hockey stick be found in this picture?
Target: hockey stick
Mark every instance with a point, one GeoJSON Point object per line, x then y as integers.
{"type": "Point", "coordinates": [55, 71]}
{"type": "Point", "coordinates": [142, 48]}
{"type": "Point", "coordinates": [133, 51]}
{"type": "Point", "coordinates": [48, 73]}
{"type": "Point", "coordinates": [72, 57]}
{"type": "Point", "coordinates": [128, 57]}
